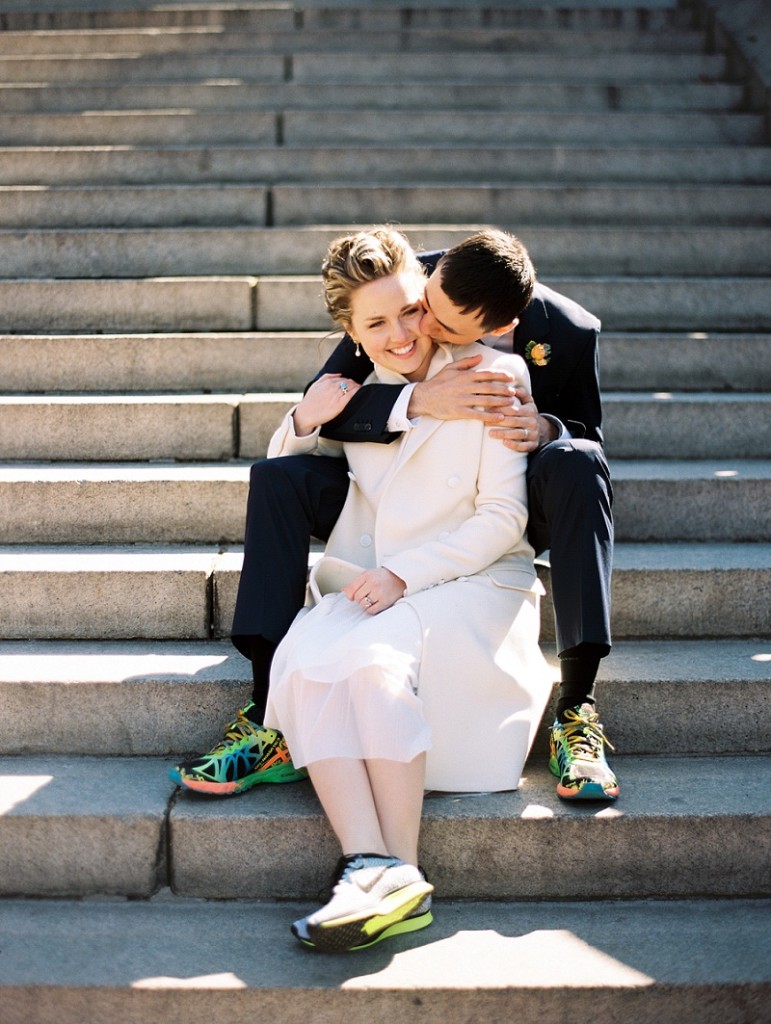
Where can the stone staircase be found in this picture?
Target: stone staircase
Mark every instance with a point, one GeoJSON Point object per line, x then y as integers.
{"type": "Point", "coordinates": [170, 175]}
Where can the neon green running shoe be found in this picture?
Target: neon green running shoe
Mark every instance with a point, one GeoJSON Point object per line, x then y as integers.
{"type": "Point", "coordinates": [374, 898]}
{"type": "Point", "coordinates": [249, 754]}
{"type": "Point", "coordinates": [577, 757]}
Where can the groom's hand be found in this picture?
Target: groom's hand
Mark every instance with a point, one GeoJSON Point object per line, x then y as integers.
{"type": "Point", "coordinates": [460, 392]}
{"type": "Point", "coordinates": [524, 429]}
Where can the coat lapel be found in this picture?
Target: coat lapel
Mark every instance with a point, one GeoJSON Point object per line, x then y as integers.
{"type": "Point", "coordinates": [412, 440]}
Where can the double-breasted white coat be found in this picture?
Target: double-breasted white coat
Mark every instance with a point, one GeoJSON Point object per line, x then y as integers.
{"type": "Point", "coordinates": [445, 508]}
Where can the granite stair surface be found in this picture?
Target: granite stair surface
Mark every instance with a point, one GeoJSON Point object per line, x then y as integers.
{"type": "Point", "coordinates": [170, 177]}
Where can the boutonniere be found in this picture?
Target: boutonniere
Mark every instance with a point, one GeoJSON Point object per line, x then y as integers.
{"type": "Point", "coordinates": [538, 352]}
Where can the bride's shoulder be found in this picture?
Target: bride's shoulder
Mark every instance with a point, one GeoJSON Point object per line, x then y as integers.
{"type": "Point", "coordinates": [505, 362]}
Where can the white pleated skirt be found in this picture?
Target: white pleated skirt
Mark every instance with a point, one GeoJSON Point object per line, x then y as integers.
{"type": "Point", "coordinates": [343, 684]}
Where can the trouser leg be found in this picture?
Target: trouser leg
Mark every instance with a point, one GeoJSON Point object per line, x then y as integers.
{"type": "Point", "coordinates": [291, 500]}
{"type": "Point", "coordinates": [570, 500]}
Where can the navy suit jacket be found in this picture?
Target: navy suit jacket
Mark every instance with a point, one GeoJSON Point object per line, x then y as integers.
{"type": "Point", "coordinates": [567, 387]}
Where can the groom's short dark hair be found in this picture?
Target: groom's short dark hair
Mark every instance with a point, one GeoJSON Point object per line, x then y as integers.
{"type": "Point", "coordinates": [491, 272]}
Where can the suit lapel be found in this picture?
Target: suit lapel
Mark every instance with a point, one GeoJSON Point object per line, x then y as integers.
{"type": "Point", "coordinates": [533, 323]}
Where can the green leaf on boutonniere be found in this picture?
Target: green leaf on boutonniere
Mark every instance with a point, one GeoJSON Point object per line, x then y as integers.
{"type": "Point", "coordinates": [538, 352]}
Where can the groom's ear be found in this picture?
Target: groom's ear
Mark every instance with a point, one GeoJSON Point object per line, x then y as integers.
{"type": "Point", "coordinates": [505, 329]}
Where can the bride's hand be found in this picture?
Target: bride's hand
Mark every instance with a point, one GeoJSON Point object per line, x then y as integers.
{"type": "Point", "coordinates": [375, 590]}
{"type": "Point", "coordinates": [324, 399]}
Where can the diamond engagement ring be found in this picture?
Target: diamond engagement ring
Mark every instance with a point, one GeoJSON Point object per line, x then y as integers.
{"type": "Point", "coordinates": [368, 601]}
{"type": "Point", "coordinates": [343, 386]}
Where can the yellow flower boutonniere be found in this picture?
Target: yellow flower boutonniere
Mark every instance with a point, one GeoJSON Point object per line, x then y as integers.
{"type": "Point", "coordinates": [538, 352]}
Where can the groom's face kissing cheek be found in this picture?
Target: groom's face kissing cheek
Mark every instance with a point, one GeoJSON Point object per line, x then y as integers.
{"type": "Point", "coordinates": [446, 322]}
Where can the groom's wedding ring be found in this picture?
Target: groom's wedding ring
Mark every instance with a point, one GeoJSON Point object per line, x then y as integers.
{"type": "Point", "coordinates": [526, 432]}
{"type": "Point", "coordinates": [343, 386]}
{"type": "Point", "coordinates": [367, 601]}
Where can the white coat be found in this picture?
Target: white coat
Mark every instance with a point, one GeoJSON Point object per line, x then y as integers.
{"type": "Point", "coordinates": [445, 508]}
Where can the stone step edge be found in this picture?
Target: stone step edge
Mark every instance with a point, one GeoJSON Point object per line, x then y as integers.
{"type": "Point", "coordinates": [48, 473]}
{"type": "Point", "coordinates": [110, 661]}
{"type": "Point", "coordinates": [161, 698]}
{"type": "Point", "coordinates": [130, 803]}
{"type": "Point", "coordinates": [618, 959]}
{"type": "Point", "coordinates": [80, 558]}
{"type": "Point", "coordinates": [660, 589]}
{"type": "Point", "coordinates": [143, 363]}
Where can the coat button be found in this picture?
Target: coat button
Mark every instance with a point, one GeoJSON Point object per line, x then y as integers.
{"type": "Point", "coordinates": [365, 540]}
{"type": "Point", "coordinates": [453, 481]}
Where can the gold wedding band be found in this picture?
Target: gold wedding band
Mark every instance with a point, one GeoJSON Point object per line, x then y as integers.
{"type": "Point", "coordinates": [526, 432]}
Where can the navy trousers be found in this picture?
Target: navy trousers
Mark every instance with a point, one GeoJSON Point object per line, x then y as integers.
{"type": "Point", "coordinates": [296, 498]}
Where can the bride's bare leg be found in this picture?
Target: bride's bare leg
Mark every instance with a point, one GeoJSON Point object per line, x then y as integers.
{"type": "Point", "coordinates": [373, 806]}
{"type": "Point", "coordinates": [343, 787]}
{"type": "Point", "coordinates": [397, 789]}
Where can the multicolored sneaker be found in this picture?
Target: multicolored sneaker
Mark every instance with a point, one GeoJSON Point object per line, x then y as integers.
{"type": "Point", "coordinates": [577, 757]}
{"type": "Point", "coordinates": [375, 897]}
{"type": "Point", "coordinates": [249, 754]}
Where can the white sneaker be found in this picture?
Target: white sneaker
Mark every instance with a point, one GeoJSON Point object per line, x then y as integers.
{"type": "Point", "coordinates": [374, 897]}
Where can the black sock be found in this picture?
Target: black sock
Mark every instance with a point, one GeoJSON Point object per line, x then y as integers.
{"type": "Point", "coordinates": [261, 651]}
{"type": "Point", "coordinates": [578, 671]}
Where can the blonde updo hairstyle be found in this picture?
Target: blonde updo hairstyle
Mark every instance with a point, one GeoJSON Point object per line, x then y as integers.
{"type": "Point", "coordinates": [357, 259]}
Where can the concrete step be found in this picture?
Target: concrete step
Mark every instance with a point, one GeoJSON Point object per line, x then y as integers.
{"type": "Point", "coordinates": [143, 961]}
{"type": "Point", "coordinates": [167, 362]}
{"type": "Point", "coordinates": [285, 362]}
{"type": "Point", "coordinates": [113, 503]}
{"type": "Point", "coordinates": [100, 14]}
{"type": "Point", "coordinates": [182, 126]}
{"type": "Point", "coordinates": [127, 427]}
{"type": "Point", "coordinates": [691, 501]}
{"type": "Point", "coordinates": [449, 95]}
{"type": "Point", "coordinates": [177, 592]}
{"type": "Point", "coordinates": [399, 39]}
{"type": "Point", "coordinates": [120, 428]}
{"type": "Point", "coordinates": [528, 66]}
{"type": "Point", "coordinates": [493, 164]}
{"type": "Point", "coordinates": [366, 127]}
{"type": "Point", "coordinates": [660, 817]}
{"type": "Point", "coordinates": [166, 698]}
{"type": "Point", "coordinates": [152, 304]}
{"type": "Point", "coordinates": [33, 206]}
{"type": "Point", "coordinates": [376, 66]}
{"type": "Point", "coordinates": [96, 826]}
{"type": "Point", "coordinates": [286, 206]}
{"type": "Point", "coordinates": [88, 825]}
{"type": "Point", "coordinates": [671, 425]}
{"type": "Point", "coordinates": [163, 252]}
{"type": "Point", "coordinates": [696, 361]}
{"type": "Point", "coordinates": [204, 504]}
{"type": "Point", "coordinates": [588, 204]}
{"type": "Point", "coordinates": [693, 304]}
{"type": "Point", "coordinates": [302, 128]}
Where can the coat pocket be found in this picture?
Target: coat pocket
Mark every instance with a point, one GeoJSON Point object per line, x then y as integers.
{"type": "Point", "coordinates": [516, 579]}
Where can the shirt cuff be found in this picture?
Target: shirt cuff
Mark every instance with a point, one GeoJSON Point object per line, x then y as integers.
{"type": "Point", "coordinates": [399, 421]}
{"type": "Point", "coordinates": [562, 431]}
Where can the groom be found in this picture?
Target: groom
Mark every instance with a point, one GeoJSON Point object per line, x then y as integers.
{"type": "Point", "coordinates": [485, 288]}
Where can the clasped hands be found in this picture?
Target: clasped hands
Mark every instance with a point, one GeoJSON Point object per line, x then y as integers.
{"type": "Point", "coordinates": [460, 391]}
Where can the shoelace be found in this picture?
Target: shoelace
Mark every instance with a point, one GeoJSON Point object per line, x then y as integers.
{"type": "Point", "coordinates": [236, 730]}
{"type": "Point", "coordinates": [584, 735]}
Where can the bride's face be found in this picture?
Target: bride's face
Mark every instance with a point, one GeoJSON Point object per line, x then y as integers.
{"type": "Point", "coordinates": [385, 321]}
